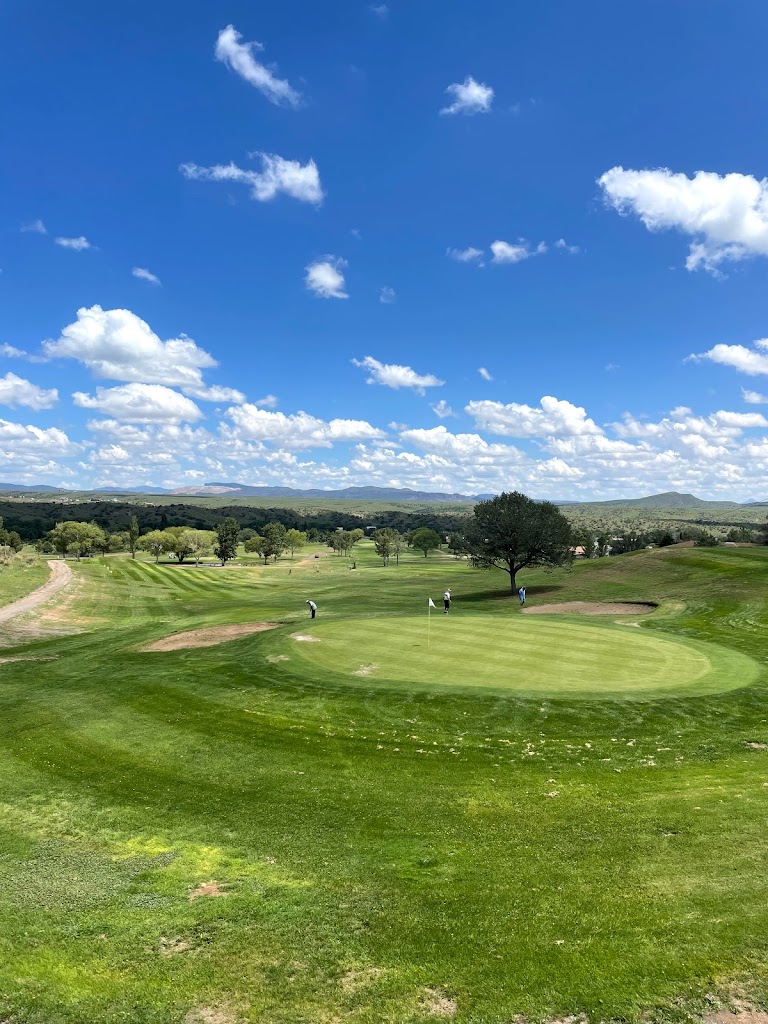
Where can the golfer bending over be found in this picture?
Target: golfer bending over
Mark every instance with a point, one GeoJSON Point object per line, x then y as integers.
{"type": "Point", "coordinates": [312, 608]}
{"type": "Point", "coordinates": [446, 602]}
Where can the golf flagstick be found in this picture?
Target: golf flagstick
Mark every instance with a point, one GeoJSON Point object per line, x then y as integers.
{"type": "Point", "coordinates": [430, 606]}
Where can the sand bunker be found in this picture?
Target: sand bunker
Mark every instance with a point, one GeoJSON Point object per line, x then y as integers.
{"type": "Point", "coordinates": [208, 637]}
{"type": "Point", "coordinates": [590, 608]}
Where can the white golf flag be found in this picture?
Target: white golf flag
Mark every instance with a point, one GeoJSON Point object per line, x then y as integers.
{"type": "Point", "coordinates": [432, 603]}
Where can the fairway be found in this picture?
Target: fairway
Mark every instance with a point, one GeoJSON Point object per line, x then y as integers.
{"type": "Point", "coordinates": [535, 818]}
{"type": "Point", "coordinates": [555, 658]}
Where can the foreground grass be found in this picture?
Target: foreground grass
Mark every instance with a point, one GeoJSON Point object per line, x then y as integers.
{"type": "Point", "coordinates": [386, 852]}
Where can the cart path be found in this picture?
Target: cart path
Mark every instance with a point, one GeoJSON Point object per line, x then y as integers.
{"type": "Point", "coordinates": [61, 576]}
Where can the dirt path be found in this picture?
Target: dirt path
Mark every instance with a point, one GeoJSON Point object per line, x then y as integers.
{"type": "Point", "coordinates": [61, 576]}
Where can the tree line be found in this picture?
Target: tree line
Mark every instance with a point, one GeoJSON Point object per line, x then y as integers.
{"type": "Point", "coordinates": [34, 519]}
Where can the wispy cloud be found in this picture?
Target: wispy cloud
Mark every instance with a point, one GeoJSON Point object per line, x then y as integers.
{"type": "Point", "coordinates": [441, 409]}
{"type": "Point", "coordinates": [469, 255]}
{"type": "Point", "coordinates": [753, 397]}
{"type": "Point", "coordinates": [484, 373]}
{"type": "Point", "coordinates": [35, 227]}
{"type": "Point", "coordinates": [145, 275]}
{"type": "Point", "coordinates": [380, 10]}
{"type": "Point", "coordinates": [11, 352]}
{"type": "Point", "coordinates": [387, 295]}
{"type": "Point", "coordinates": [572, 250]}
{"type": "Point", "coordinates": [300, 181]}
{"type": "Point", "coordinates": [469, 97]}
{"type": "Point", "coordinates": [239, 56]}
{"type": "Point", "coordinates": [78, 244]}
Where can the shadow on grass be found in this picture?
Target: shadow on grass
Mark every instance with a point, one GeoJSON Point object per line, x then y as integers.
{"type": "Point", "coordinates": [506, 594]}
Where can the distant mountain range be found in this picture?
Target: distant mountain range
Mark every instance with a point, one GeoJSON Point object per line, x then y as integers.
{"type": "Point", "coordinates": [669, 499]}
{"type": "Point", "coordinates": [358, 493]}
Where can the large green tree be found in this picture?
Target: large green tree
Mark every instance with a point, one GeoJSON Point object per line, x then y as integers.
{"type": "Point", "coordinates": [514, 532]}
{"type": "Point", "coordinates": [227, 536]}
{"type": "Point", "coordinates": [384, 541]}
{"type": "Point", "coordinates": [426, 540]}
{"type": "Point", "coordinates": [156, 543]}
{"type": "Point", "coordinates": [295, 541]}
{"type": "Point", "coordinates": [133, 535]}
{"type": "Point", "coordinates": [274, 540]}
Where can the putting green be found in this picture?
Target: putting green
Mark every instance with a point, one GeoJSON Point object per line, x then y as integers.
{"type": "Point", "coordinates": [545, 657]}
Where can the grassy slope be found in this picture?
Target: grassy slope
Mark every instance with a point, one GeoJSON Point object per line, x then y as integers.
{"type": "Point", "coordinates": [18, 579]}
{"type": "Point", "coordinates": [522, 856]}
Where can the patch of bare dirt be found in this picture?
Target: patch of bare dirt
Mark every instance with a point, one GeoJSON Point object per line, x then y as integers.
{"type": "Point", "coordinates": [273, 659]}
{"type": "Point", "coordinates": [756, 746]}
{"type": "Point", "coordinates": [210, 888]}
{"type": "Point", "coordinates": [590, 608]}
{"type": "Point", "coordinates": [61, 575]}
{"type": "Point", "coordinates": [208, 637]}
{"type": "Point", "coordinates": [365, 670]}
{"type": "Point", "coordinates": [172, 947]}
{"type": "Point", "coordinates": [355, 979]}
{"type": "Point", "coordinates": [305, 638]}
{"type": "Point", "coordinates": [210, 1015]}
{"type": "Point", "coordinates": [742, 1013]}
{"type": "Point", "coordinates": [438, 1003]}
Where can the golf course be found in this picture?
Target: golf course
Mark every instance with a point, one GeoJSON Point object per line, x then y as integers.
{"type": "Point", "coordinates": [216, 810]}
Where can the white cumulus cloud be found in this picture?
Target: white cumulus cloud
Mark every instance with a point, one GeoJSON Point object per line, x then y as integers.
{"type": "Point", "coordinates": [298, 430]}
{"type": "Point", "coordinates": [277, 175]}
{"type": "Point", "coordinates": [117, 344]}
{"type": "Point", "coordinates": [554, 418]}
{"type": "Point", "coordinates": [469, 97]}
{"type": "Point", "coordinates": [79, 244]}
{"type": "Point", "coordinates": [140, 403]}
{"type": "Point", "coordinates": [18, 391]}
{"type": "Point", "coordinates": [752, 361]}
{"type": "Point", "coordinates": [324, 277]}
{"type": "Point", "coordinates": [145, 275]}
{"type": "Point", "coordinates": [393, 376]}
{"type": "Point", "coordinates": [753, 397]}
{"type": "Point", "coordinates": [726, 216]}
{"type": "Point", "coordinates": [505, 252]}
{"type": "Point", "coordinates": [240, 58]}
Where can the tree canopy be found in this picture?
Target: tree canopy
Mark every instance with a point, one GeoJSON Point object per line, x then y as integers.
{"type": "Point", "coordinates": [512, 532]}
{"type": "Point", "coordinates": [426, 540]}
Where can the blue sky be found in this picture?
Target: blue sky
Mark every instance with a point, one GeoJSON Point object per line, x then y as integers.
{"type": "Point", "coordinates": [276, 243]}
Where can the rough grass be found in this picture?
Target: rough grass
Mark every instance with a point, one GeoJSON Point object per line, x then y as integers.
{"type": "Point", "coordinates": [371, 853]}
{"type": "Point", "coordinates": [19, 576]}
